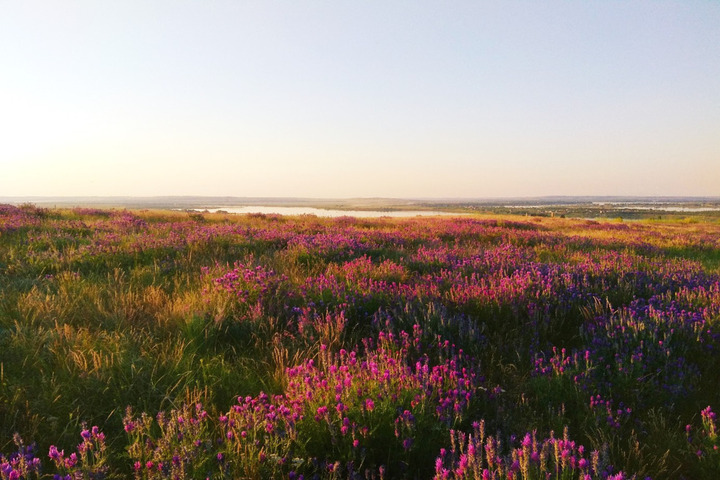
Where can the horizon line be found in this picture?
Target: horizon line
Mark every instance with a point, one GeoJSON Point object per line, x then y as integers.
{"type": "Point", "coordinates": [449, 198]}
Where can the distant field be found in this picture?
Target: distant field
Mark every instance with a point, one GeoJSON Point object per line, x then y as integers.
{"type": "Point", "coordinates": [267, 346]}
{"type": "Point", "coordinates": [655, 208]}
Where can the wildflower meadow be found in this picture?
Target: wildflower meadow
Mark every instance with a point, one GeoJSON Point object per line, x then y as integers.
{"type": "Point", "coordinates": [174, 345]}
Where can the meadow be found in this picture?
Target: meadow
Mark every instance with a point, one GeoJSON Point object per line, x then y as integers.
{"type": "Point", "coordinates": [157, 344]}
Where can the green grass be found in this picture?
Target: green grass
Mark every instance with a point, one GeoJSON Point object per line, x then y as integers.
{"type": "Point", "coordinates": [86, 333]}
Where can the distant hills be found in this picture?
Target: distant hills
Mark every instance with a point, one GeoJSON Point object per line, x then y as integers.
{"type": "Point", "coordinates": [181, 202]}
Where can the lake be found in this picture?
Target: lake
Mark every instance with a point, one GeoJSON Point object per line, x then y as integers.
{"type": "Point", "coordinates": [322, 212]}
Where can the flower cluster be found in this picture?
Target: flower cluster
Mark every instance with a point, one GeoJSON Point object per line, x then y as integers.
{"type": "Point", "coordinates": [478, 456]}
{"type": "Point", "coordinates": [23, 464]}
{"type": "Point", "coordinates": [89, 461]}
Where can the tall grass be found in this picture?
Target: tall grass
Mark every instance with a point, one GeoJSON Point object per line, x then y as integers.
{"type": "Point", "coordinates": [608, 330]}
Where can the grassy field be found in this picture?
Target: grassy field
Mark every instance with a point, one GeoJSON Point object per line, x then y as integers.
{"type": "Point", "coordinates": [172, 345]}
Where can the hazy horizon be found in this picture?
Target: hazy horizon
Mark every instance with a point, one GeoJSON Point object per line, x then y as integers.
{"type": "Point", "coordinates": [404, 100]}
{"type": "Point", "coordinates": [258, 200]}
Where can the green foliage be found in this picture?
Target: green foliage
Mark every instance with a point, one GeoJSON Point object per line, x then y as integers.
{"type": "Point", "coordinates": [104, 310]}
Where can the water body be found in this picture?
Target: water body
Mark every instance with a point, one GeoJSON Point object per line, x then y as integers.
{"type": "Point", "coordinates": [662, 207]}
{"type": "Point", "coordinates": [618, 206]}
{"type": "Point", "coordinates": [322, 212]}
{"type": "Point", "coordinates": [673, 209]}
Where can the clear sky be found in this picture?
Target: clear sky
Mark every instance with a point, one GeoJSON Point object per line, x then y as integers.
{"type": "Point", "coordinates": [360, 98]}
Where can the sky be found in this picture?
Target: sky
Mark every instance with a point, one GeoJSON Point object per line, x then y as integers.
{"type": "Point", "coordinates": [400, 99]}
